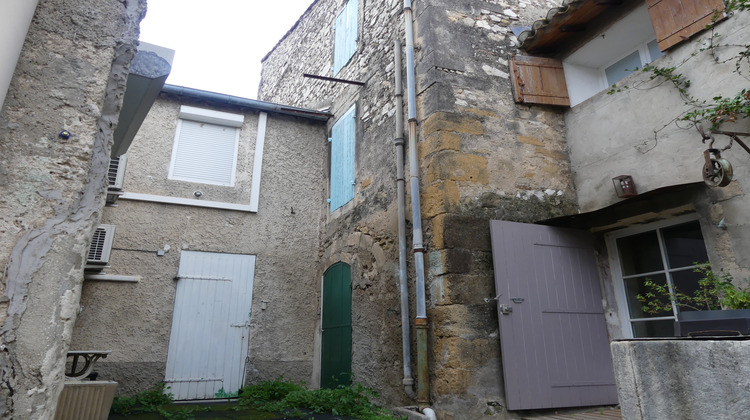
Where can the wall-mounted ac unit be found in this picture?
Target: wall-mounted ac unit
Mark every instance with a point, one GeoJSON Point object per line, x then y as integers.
{"type": "Point", "coordinates": [115, 176]}
{"type": "Point", "coordinates": [100, 248]}
{"type": "Point", "coordinates": [116, 172]}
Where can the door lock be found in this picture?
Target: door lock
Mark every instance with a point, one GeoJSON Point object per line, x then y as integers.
{"type": "Point", "coordinates": [506, 309]}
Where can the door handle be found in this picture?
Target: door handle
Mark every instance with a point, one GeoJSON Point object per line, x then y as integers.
{"type": "Point", "coordinates": [506, 309]}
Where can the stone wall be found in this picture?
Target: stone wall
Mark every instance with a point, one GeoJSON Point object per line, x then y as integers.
{"type": "Point", "coordinates": [283, 235]}
{"type": "Point", "coordinates": [481, 157]}
{"type": "Point", "coordinates": [70, 76]}
{"type": "Point", "coordinates": [363, 233]}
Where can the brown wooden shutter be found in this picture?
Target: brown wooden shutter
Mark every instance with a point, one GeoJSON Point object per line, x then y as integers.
{"type": "Point", "coordinates": [677, 20]}
{"type": "Point", "coordinates": [538, 80]}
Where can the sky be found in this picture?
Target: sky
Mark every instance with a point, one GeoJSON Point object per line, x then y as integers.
{"type": "Point", "coordinates": [219, 43]}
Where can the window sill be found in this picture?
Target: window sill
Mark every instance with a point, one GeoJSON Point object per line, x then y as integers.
{"type": "Point", "coordinates": [112, 277]}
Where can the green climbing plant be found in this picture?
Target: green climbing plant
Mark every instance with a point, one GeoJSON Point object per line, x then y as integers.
{"type": "Point", "coordinates": [718, 109]}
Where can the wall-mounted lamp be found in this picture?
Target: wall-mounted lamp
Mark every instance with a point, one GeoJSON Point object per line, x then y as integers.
{"type": "Point", "coordinates": [624, 186]}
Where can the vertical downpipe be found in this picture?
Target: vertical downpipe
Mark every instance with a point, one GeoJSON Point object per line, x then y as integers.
{"type": "Point", "coordinates": [408, 381]}
{"type": "Point", "coordinates": [423, 380]}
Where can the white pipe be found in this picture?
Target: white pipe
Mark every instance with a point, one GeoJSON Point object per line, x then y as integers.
{"type": "Point", "coordinates": [408, 381]}
{"type": "Point", "coordinates": [430, 413]}
{"type": "Point", "coordinates": [416, 209]}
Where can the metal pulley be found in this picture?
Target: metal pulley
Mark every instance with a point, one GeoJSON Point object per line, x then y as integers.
{"type": "Point", "coordinates": [717, 172]}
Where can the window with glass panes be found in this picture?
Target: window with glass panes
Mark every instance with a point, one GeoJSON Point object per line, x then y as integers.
{"type": "Point", "coordinates": [665, 254]}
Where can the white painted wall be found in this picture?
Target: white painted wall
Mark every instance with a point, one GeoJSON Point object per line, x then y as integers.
{"type": "Point", "coordinates": [17, 15]}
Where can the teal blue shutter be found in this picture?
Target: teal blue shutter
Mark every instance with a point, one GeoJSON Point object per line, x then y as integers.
{"type": "Point", "coordinates": [346, 36]}
{"type": "Point", "coordinates": [342, 159]}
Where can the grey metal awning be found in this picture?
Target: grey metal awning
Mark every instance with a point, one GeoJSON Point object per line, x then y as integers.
{"type": "Point", "coordinates": [148, 72]}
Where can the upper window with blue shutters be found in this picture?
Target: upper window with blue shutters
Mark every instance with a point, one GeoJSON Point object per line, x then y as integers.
{"type": "Point", "coordinates": [342, 159]}
{"type": "Point", "coordinates": [346, 36]}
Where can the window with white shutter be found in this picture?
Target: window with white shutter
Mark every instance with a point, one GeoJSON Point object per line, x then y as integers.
{"type": "Point", "coordinates": [204, 152]}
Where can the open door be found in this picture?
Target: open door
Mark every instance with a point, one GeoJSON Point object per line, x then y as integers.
{"type": "Point", "coordinates": [553, 335]}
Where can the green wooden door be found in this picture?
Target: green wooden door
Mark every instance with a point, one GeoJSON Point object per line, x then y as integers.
{"type": "Point", "coordinates": [336, 352]}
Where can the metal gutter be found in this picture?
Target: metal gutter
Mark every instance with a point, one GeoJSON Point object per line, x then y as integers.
{"type": "Point", "coordinates": [421, 323]}
{"type": "Point", "coordinates": [246, 103]}
{"type": "Point", "coordinates": [408, 381]}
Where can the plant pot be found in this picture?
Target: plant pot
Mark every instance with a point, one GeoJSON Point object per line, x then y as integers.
{"type": "Point", "coordinates": [727, 322]}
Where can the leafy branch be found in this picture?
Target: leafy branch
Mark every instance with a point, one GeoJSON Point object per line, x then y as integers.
{"type": "Point", "coordinates": [713, 292]}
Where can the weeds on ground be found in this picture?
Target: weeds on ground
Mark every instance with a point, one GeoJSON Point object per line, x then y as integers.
{"type": "Point", "coordinates": [289, 398]}
{"type": "Point", "coordinates": [153, 400]}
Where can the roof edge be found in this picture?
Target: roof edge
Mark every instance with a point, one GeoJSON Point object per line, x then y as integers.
{"type": "Point", "coordinates": [255, 104]}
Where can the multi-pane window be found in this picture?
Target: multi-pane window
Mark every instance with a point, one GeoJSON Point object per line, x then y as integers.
{"type": "Point", "coordinates": [345, 36]}
{"type": "Point", "coordinates": [342, 159]}
{"type": "Point", "coordinates": [665, 255]}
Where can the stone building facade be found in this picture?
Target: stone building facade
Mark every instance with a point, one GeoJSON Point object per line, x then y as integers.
{"type": "Point", "coordinates": [70, 76]}
{"type": "Point", "coordinates": [481, 157]}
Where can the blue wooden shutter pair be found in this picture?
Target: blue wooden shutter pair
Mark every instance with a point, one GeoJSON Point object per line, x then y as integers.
{"type": "Point", "coordinates": [346, 36]}
{"type": "Point", "coordinates": [342, 159]}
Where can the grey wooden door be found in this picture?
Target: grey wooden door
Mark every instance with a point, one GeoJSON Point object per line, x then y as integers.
{"type": "Point", "coordinates": [554, 341]}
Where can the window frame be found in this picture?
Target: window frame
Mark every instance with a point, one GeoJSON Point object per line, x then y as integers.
{"type": "Point", "coordinates": [626, 324]}
{"type": "Point", "coordinates": [644, 54]}
{"type": "Point", "coordinates": [219, 119]}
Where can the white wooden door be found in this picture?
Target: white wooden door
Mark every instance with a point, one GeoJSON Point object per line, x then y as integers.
{"type": "Point", "coordinates": [209, 339]}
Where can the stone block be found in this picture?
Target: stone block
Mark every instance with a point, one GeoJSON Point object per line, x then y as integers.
{"type": "Point", "coordinates": [463, 320]}
{"type": "Point", "coordinates": [438, 231]}
{"type": "Point", "coordinates": [459, 123]}
{"type": "Point", "coordinates": [436, 142]}
{"type": "Point", "coordinates": [448, 381]}
{"type": "Point", "coordinates": [446, 261]}
{"type": "Point", "coordinates": [468, 288]}
{"type": "Point", "coordinates": [438, 198]}
{"type": "Point", "coordinates": [466, 232]}
{"type": "Point", "coordinates": [458, 166]}
{"type": "Point", "coordinates": [460, 353]}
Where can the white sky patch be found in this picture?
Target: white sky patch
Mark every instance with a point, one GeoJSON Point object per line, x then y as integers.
{"type": "Point", "coordinates": [219, 43]}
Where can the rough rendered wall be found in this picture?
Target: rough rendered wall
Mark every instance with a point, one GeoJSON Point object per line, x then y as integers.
{"type": "Point", "coordinates": [71, 75]}
{"type": "Point", "coordinates": [481, 157]}
{"type": "Point", "coordinates": [283, 235]}
{"type": "Point", "coordinates": [697, 379]}
{"type": "Point", "coordinates": [633, 132]}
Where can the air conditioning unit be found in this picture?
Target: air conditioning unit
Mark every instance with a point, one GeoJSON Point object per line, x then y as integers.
{"type": "Point", "coordinates": [116, 172]}
{"type": "Point", "coordinates": [115, 176]}
{"type": "Point", "coordinates": [100, 248]}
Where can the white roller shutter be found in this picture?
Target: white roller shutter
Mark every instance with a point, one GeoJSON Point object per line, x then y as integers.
{"type": "Point", "coordinates": [205, 153]}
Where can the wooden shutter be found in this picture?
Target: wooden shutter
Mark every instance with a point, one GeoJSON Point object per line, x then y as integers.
{"type": "Point", "coordinates": [346, 36]}
{"type": "Point", "coordinates": [553, 332]}
{"type": "Point", "coordinates": [342, 159]}
{"type": "Point", "coordinates": [205, 153]}
{"type": "Point", "coordinates": [538, 80]}
{"type": "Point", "coordinates": [675, 21]}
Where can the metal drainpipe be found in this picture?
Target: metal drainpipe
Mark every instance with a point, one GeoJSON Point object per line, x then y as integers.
{"type": "Point", "coordinates": [408, 381]}
{"type": "Point", "coordinates": [423, 380]}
